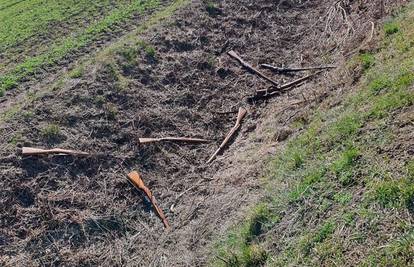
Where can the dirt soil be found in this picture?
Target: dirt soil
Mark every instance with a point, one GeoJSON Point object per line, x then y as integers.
{"type": "Point", "coordinates": [71, 211]}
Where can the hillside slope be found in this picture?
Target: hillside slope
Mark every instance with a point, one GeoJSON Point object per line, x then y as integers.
{"type": "Point", "coordinates": [170, 76]}
{"type": "Point", "coordinates": [341, 193]}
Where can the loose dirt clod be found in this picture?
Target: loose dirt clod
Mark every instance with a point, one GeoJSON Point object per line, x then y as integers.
{"type": "Point", "coordinates": [137, 181]}
{"type": "Point", "coordinates": [30, 151]}
{"type": "Point", "coordinates": [250, 67]}
{"type": "Point", "coordinates": [240, 116]}
{"type": "Point", "coordinates": [172, 139]}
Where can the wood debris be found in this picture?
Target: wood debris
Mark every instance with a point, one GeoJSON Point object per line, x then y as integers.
{"type": "Point", "coordinates": [272, 91]}
{"type": "Point", "coordinates": [172, 139]}
{"type": "Point", "coordinates": [242, 113]}
{"type": "Point", "coordinates": [31, 151]}
{"type": "Point", "coordinates": [135, 178]}
{"type": "Point", "coordinates": [250, 67]}
{"type": "Point", "coordinates": [284, 70]}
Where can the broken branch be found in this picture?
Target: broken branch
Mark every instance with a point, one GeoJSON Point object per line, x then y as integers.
{"type": "Point", "coordinates": [272, 91]}
{"type": "Point", "coordinates": [30, 151]}
{"type": "Point", "coordinates": [172, 139]}
{"type": "Point", "coordinates": [283, 70]}
{"type": "Point", "coordinates": [240, 116]}
{"type": "Point", "coordinates": [139, 183]}
{"type": "Point", "coordinates": [250, 67]}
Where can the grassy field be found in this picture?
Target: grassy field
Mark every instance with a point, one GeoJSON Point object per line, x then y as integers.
{"type": "Point", "coordinates": [334, 197]}
{"type": "Point", "coordinates": [60, 27]}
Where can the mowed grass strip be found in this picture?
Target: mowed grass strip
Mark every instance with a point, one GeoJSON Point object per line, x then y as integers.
{"type": "Point", "coordinates": [21, 20]}
{"type": "Point", "coordinates": [333, 198]}
{"type": "Point", "coordinates": [61, 49]}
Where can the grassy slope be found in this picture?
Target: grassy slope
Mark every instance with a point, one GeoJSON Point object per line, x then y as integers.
{"type": "Point", "coordinates": [63, 47]}
{"type": "Point", "coordinates": [333, 197]}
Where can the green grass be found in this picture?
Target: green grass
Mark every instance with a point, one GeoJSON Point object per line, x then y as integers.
{"type": "Point", "coordinates": [30, 18]}
{"type": "Point", "coordinates": [332, 178]}
{"type": "Point", "coordinates": [78, 72]}
{"type": "Point", "coordinates": [51, 132]}
{"type": "Point", "coordinates": [63, 47]}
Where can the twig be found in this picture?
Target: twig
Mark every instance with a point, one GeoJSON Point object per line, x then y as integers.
{"type": "Point", "coordinates": [240, 116]}
{"type": "Point", "coordinates": [137, 181]}
{"type": "Point", "coordinates": [250, 67]}
{"type": "Point", "coordinates": [30, 151]}
{"type": "Point", "coordinates": [283, 70]}
{"type": "Point", "coordinates": [172, 139]}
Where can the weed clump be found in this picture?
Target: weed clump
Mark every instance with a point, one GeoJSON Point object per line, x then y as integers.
{"type": "Point", "coordinates": [51, 132]}
{"type": "Point", "coordinates": [391, 28]}
{"type": "Point", "coordinates": [77, 72]}
{"type": "Point", "coordinates": [150, 51]}
{"type": "Point", "coordinates": [212, 10]}
{"type": "Point", "coordinates": [367, 60]}
{"type": "Point", "coordinates": [343, 167]}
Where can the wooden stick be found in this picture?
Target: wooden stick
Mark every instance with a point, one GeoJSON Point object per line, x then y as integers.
{"type": "Point", "coordinates": [139, 183]}
{"type": "Point", "coordinates": [271, 91]}
{"type": "Point", "coordinates": [172, 139]}
{"type": "Point", "coordinates": [30, 151]}
{"type": "Point", "coordinates": [250, 67]}
{"type": "Point", "coordinates": [283, 70]}
{"type": "Point", "coordinates": [240, 116]}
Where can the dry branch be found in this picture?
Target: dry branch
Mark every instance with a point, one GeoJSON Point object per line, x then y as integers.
{"type": "Point", "coordinates": [272, 91]}
{"type": "Point", "coordinates": [137, 181]}
{"type": "Point", "coordinates": [250, 67]}
{"type": "Point", "coordinates": [172, 139]}
{"type": "Point", "coordinates": [284, 70]}
{"type": "Point", "coordinates": [240, 116]}
{"type": "Point", "coordinates": [30, 151]}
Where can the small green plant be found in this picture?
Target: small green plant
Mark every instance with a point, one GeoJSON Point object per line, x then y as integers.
{"type": "Point", "coordinates": [111, 111]}
{"type": "Point", "coordinates": [112, 71]}
{"type": "Point", "coordinates": [367, 60]}
{"type": "Point", "coordinates": [51, 132]}
{"type": "Point", "coordinates": [306, 184]}
{"type": "Point", "coordinates": [99, 100]}
{"type": "Point", "coordinates": [18, 137]}
{"type": "Point", "coordinates": [27, 114]}
{"type": "Point", "coordinates": [311, 240]}
{"type": "Point", "coordinates": [410, 170]}
{"type": "Point", "coordinates": [297, 159]}
{"type": "Point", "coordinates": [391, 101]}
{"type": "Point", "coordinates": [254, 255]}
{"type": "Point", "coordinates": [7, 83]}
{"type": "Point", "coordinates": [343, 167]}
{"type": "Point", "coordinates": [343, 198]}
{"type": "Point", "coordinates": [150, 51]}
{"type": "Point", "coordinates": [391, 28]}
{"type": "Point", "coordinates": [394, 193]}
{"type": "Point", "coordinates": [380, 83]}
{"type": "Point", "coordinates": [129, 54]}
{"type": "Point", "coordinates": [77, 72]}
{"type": "Point", "coordinates": [211, 9]}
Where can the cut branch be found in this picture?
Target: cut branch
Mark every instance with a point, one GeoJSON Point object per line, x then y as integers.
{"type": "Point", "coordinates": [240, 116]}
{"type": "Point", "coordinates": [272, 91]}
{"type": "Point", "coordinates": [284, 70]}
{"type": "Point", "coordinates": [250, 67]}
{"type": "Point", "coordinates": [172, 139]}
{"type": "Point", "coordinates": [139, 183]}
{"type": "Point", "coordinates": [30, 151]}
